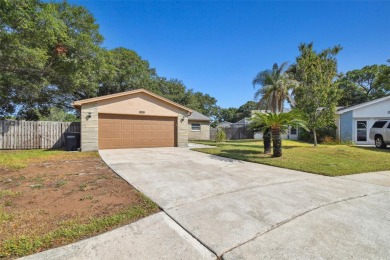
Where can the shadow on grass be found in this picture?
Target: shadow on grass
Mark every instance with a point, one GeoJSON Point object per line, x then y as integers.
{"type": "Point", "coordinates": [54, 150]}
{"type": "Point", "coordinates": [244, 155]}
{"type": "Point", "coordinates": [262, 146]}
{"type": "Point", "coordinates": [373, 149]}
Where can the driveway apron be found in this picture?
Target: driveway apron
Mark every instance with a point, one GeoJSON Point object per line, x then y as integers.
{"type": "Point", "coordinates": [242, 210]}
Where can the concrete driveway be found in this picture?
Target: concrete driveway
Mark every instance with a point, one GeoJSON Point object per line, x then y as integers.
{"type": "Point", "coordinates": [241, 210]}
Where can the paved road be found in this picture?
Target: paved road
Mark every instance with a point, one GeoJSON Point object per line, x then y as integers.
{"type": "Point", "coordinates": [216, 206]}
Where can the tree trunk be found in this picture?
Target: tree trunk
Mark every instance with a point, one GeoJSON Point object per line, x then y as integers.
{"type": "Point", "coordinates": [267, 141]}
{"type": "Point", "coordinates": [276, 142]}
{"type": "Point", "coordinates": [315, 136]}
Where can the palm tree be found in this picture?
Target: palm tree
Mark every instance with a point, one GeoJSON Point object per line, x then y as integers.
{"type": "Point", "coordinates": [278, 123]}
{"type": "Point", "coordinates": [275, 87]}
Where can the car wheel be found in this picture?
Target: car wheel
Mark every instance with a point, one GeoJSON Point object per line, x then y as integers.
{"type": "Point", "coordinates": [379, 143]}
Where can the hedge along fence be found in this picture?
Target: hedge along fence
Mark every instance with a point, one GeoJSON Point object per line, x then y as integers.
{"type": "Point", "coordinates": [34, 134]}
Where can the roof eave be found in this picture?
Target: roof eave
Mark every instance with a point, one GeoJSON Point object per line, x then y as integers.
{"type": "Point", "coordinates": [79, 103]}
{"type": "Point", "coordinates": [362, 105]}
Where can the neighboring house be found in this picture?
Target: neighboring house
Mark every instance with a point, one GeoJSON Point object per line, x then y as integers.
{"type": "Point", "coordinates": [291, 134]}
{"type": "Point", "coordinates": [354, 123]}
{"type": "Point", "coordinates": [224, 124]}
{"type": "Point", "coordinates": [198, 126]}
{"type": "Point", "coordinates": [132, 119]}
{"type": "Point", "coordinates": [242, 123]}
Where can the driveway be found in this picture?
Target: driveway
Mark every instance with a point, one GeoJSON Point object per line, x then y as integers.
{"type": "Point", "coordinates": [218, 207]}
{"type": "Point", "coordinates": [242, 210]}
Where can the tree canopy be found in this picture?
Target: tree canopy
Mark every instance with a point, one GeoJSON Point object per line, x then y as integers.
{"type": "Point", "coordinates": [362, 85]}
{"type": "Point", "coordinates": [275, 86]}
{"type": "Point", "coordinates": [51, 55]}
{"type": "Point", "coordinates": [317, 95]}
{"type": "Point", "coordinates": [48, 51]}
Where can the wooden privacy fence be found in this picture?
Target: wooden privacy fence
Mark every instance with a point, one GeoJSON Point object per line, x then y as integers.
{"type": "Point", "coordinates": [34, 134]}
{"type": "Point", "coordinates": [233, 133]}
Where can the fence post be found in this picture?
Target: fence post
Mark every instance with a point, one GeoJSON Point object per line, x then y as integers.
{"type": "Point", "coordinates": [1, 133]}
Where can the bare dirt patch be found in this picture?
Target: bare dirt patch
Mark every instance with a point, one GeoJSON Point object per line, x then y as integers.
{"type": "Point", "coordinates": [64, 188]}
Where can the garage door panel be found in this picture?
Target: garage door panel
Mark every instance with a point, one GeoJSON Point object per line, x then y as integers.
{"type": "Point", "coordinates": [120, 131]}
{"type": "Point", "coordinates": [115, 135]}
{"type": "Point", "coordinates": [156, 127]}
{"type": "Point", "coordinates": [139, 134]}
{"type": "Point", "coordinates": [155, 135]}
{"type": "Point", "coordinates": [116, 127]}
{"type": "Point", "coordinates": [126, 125]}
{"type": "Point", "coordinates": [127, 135]}
{"type": "Point", "coordinates": [139, 126]}
{"type": "Point", "coordinates": [108, 144]}
{"type": "Point", "coordinates": [105, 134]}
{"type": "Point", "coordinates": [116, 142]}
{"type": "Point", "coordinates": [106, 126]}
{"type": "Point", "coordinates": [128, 143]}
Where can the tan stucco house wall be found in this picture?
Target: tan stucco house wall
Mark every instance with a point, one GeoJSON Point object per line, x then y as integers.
{"type": "Point", "coordinates": [138, 103]}
{"type": "Point", "coordinates": [198, 126]}
{"type": "Point", "coordinates": [202, 134]}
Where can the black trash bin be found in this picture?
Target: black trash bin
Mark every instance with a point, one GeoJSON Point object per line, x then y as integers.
{"type": "Point", "coordinates": [72, 141]}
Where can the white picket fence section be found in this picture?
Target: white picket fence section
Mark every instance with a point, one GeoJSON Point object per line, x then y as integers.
{"type": "Point", "coordinates": [34, 134]}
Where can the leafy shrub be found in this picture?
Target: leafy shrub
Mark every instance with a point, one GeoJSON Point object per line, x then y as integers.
{"type": "Point", "coordinates": [330, 140]}
{"type": "Point", "coordinates": [221, 136]}
{"type": "Point", "coordinates": [323, 134]}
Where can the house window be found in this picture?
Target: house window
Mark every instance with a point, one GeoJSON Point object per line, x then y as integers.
{"type": "Point", "coordinates": [195, 127]}
{"type": "Point", "coordinates": [293, 131]}
{"type": "Point", "coordinates": [361, 131]}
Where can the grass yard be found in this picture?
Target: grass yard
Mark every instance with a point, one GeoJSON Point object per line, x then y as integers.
{"type": "Point", "coordinates": [52, 198]}
{"type": "Point", "coordinates": [330, 160]}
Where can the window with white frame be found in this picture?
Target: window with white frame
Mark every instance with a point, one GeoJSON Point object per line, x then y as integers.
{"type": "Point", "coordinates": [293, 131]}
{"type": "Point", "coordinates": [195, 127]}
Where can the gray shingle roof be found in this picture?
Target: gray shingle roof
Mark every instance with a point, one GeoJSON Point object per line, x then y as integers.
{"type": "Point", "coordinates": [198, 116]}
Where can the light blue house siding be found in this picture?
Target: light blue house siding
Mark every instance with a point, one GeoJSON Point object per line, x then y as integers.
{"type": "Point", "coordinates": [346, 123]}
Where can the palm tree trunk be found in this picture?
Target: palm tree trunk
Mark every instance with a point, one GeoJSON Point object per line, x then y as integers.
{"type": "Point", "coordinates": [315, 136]}
{"type": "Point", "coordinates": [267, 141]}
{"type": "Point", "coordinates": [275, 103]}
{"type": "Point", "coordinates": [276, 142]}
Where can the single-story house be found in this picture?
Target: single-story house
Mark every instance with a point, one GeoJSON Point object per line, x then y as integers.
{"type": "Point", "coordinates": [224, 124]}
{"type": "Point", "coordinates": [199, 126]}
{"type": "Point", "coordinates": [242, 123]}
{"type": "Point", "coordinates": [291, 134]}
{"type": "Point", "coordinates": [354, 123]}
{"type": "Point", "coordinates": [135, 119]}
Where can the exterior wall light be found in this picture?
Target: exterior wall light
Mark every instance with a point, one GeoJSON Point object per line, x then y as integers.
{"type": "Point", "coordinates": [89, 115]}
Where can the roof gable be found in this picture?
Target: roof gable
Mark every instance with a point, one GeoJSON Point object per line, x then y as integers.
{"type": "Point", "coordinates": [195, 115]}
{"type": "Point", "coordinates": [79, 103]}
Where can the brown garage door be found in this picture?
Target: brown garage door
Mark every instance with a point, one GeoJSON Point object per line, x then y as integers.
{"type": "Point", "coordinates": [122, 131]}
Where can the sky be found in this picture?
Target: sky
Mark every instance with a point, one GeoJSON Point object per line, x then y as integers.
{"type": "Point", "coordinates": [218, 47]}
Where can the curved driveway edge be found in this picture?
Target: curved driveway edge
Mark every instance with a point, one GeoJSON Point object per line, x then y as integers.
{"type": "Point", "coordinates": [240, 209]}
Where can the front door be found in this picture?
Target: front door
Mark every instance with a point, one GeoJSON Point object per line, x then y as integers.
{"type": "Point", "coordinates": [361, 131]}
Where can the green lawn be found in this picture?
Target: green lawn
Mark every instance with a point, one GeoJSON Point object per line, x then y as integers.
{"type": "Point", "coordinates": [18, 159]}
{"type": "Point", "coordinates": [330, 160]}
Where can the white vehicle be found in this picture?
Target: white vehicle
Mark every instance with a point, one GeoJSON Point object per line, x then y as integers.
{"type": "Point", "coordinates": [380, 133]}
